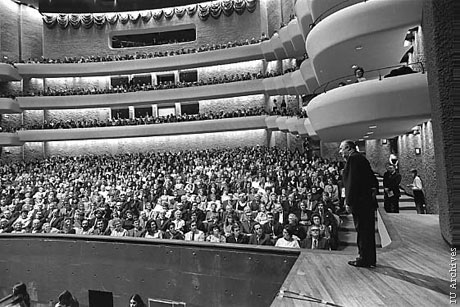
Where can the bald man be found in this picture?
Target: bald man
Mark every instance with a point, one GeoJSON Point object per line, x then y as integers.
{"type": "Point", "coordinates": [360, 188]}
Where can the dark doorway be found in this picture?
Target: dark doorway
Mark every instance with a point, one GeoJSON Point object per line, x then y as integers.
{"type": "Point", "coordinates": [100, 298]}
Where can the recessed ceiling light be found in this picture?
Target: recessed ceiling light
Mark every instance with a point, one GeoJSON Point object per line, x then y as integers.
{"type": "Point", "coordinates": [359, 47]}
{"type": "Point", "coordinates": [372, 127]}
{"type": "Point", "coordinates": [370, 132]}
{"type": "Point", "coordinates": [366, 136]}
{"type": "Point", "coordinates": [361, 140]}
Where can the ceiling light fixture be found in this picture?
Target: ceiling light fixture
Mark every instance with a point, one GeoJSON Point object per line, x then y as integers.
{"type": "Point", "coordinates": [370, 132]}
{"type": "Point", "coordinates": [372, 127]}
{"type": "Point", "coordinates": [359, 47]}
{"type": "Point", "coordinates": [366, 136]}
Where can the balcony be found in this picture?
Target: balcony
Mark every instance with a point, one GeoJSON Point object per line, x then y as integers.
{"type": "Point", "coordinates": [372, 109]}
{"type": "Point", "coordinates": [8, 73]}
{"type": "Point", "coordinates": [286, 124]}
{"type": "Point", "coordinates": [289, 43]}
{"type": "Point", "coordinates": [368, 34]}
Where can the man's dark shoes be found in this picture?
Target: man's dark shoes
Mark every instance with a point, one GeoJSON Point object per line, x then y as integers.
{"type": "Point", "coordinates": [361, 264]}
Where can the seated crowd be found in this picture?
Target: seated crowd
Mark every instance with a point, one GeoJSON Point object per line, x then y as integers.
{"type": "Point", "coordinates": [249, 195]}
{"type": "Point", "coordinates": [136, 87]}
{"type": "Point", "coordinates": [150, 120]}
{"type": "Point", "coordinates": [146, 120]}
{"type": "Point", "coordinates": [144, 55]}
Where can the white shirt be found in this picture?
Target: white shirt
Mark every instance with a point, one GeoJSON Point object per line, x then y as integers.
{"type": "Point", "coordinates": [281, 242]}
{"type": "Point", "coordinates": [199, 236]}
{"type": "Point", "coordinates": [417, 184]}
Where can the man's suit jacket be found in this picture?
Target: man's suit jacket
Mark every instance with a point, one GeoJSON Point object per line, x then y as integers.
{"type": "Point", "coordinates": [242, 239]}
{"type": "Point", "coordinates": [392, 181]}
{"type": "Point", "coordinates": [359, 180]}
{"type": "Point", "coordinates": [263, 240]}
{"type": "Point", "coordinates": [248, 226]}
{"type": "Point", "coordinates": [275, 229]}
{"type": "Point", "coordinates": [307, 243]}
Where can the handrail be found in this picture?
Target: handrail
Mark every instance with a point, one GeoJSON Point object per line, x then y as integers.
{"type": "Point", "coordinates": [325, 85]}
{"type": "Point", "coordinates": [320, 17]}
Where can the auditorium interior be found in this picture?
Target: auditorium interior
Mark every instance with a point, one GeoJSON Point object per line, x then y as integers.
{"type": "Point", "coordinates": [164, 120]}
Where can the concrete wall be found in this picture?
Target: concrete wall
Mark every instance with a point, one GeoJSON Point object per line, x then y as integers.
{"type": "Point", "coordinates": [288, 9]}
{"type": "Point", "coordinates": [378, 155]}
{"type": "Point", "coordinates": [20, 31]}
{"type": "Point", "coordinates": [438, 28]}
{"type": "Point", "coordinates": [166, 143]}
{"type": "Point", "coordinates": [198, 274]}
{"type": "Point", "coordinates": [274, 17]}
{"type": "Point", "coordinates": [81, 42]}
{"type": "Point", "coordinates": [9, 29]}
{"type": "Point", "coordinates": [31, 33]}
{"type": "Point", "coordinates": [228, 69]}
{"type": "Point", "coordinates": [424, 163]}
{"type": "Point", "coordinates": [330, 151]}
{"type": "Point", "coordinates": [232, 104]}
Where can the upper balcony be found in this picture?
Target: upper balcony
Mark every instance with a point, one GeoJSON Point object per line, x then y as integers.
{"type": "Point", "coordinates": [288, 43]}
{"type": "Point", "coordinates": [368, 34]}
{"type": "Point", "coordinates": [320, 9]}
{"type": "Point", "coordinates": [294, 125]}
{"type": "Point", "coordinates": [293, 83]}
{"type": "Point", "coordinates": [372, 109]}
{"type": "Point", "coordinates": [9, 73]}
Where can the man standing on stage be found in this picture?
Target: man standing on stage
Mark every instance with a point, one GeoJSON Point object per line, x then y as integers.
{"type": "Point", "coordinates": [360, 189]}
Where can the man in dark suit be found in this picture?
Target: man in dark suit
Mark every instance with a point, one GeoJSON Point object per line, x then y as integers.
{"type": "Point", "coordinates": [360, 189]}
{"type": "Point", "coordinates": [391, 181]}
{"type": "Point", "coordinates": [237, 236]}
{"type": "Point", "coordinates": [273, 228]}
{"type": "Point", "coordinates": [315, 241]}
{"type": "Point", "coordinates": [259, 237]}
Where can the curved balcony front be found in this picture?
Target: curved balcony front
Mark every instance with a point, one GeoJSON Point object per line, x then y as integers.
{"type": "Point", "coordinates": [368, 34]}
{"type": "Point", "coordinates": [320, 9]}
{"type": "Point", "coordinates": [10, 139]}
{"type": "Point", "coordinates": [225, 90]}
{"type": "Point", "coordinates": [193, 127]}
{"type": "Point", "coordinates": [286, 124]}
{"type": "Point", "coordinates": [308, 75]}
{"type": "Point", "coordinates": [372, 109]}
{"type": "Point", "coordinates": [296, 37]}
{"type": "Point", "coordinates": [9, 105]}
{"type": "Point", "coordinates": [295, 125]}
{"type": "Point", "coordinates": [185, 61]}
{"type": "Point", "coordinates": [8, 73]}
{"type": "Point", "coordinates": [303, 13]}
{"type": "Point", "coordinates": [288, 43]}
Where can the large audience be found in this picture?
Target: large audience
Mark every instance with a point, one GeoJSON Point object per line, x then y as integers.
{"type": "Point", "coordinates": [144, 55]}
{"type": "Point", "coordinates": [150, 120]}
{"type": "Point", "coordinates": [162, 85]}
{"type": "Point", "coordinates": [249, 195]}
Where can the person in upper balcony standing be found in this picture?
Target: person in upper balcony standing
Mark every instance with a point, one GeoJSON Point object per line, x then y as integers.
{"type": "Point", "coordinates": [360, 189]}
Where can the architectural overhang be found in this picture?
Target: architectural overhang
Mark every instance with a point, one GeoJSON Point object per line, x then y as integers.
{"type": "Point", "coordinates": [165, 96]}
{"type": "Point", "coordinates": [368, 34]}
{"type": "Point", "coordinates": [185, 61]}
{"type": "Point", "coordinates": [9, 73]}
{"type": "Point", "coordinates": [372, 109]}
{"type": "Point", "coordinates": [192, 127]}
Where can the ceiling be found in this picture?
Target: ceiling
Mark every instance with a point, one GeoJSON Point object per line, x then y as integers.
{"type": "Point", "coordinates": [103, 6]}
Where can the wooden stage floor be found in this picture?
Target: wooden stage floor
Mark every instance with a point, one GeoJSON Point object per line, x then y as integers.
{"type": "Point", "coordinates": [412, 271]}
